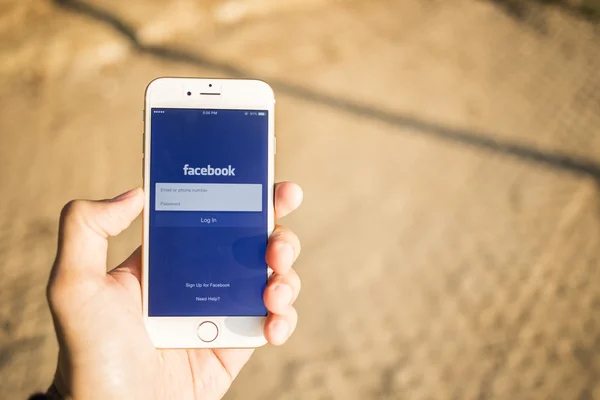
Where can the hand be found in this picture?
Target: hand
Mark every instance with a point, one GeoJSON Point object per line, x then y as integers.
{"type": "Point", "coordinates": [105, 351]}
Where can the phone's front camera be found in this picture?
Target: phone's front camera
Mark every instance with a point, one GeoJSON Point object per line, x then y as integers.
{"type": "Point", "coordinates": [210, 85]}
{"type": "Point", "coordinates": [189, 93]}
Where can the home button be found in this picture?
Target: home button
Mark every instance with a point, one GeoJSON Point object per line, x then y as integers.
{"type": "Point", "coordinates": [207, 331]}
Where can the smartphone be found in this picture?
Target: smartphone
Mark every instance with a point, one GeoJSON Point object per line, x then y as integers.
{"type": "Point", "coordinates": [208, 160]}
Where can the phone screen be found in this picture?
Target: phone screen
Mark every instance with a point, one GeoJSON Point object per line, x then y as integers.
{"type": "Point", "coordinates": [208, 212]}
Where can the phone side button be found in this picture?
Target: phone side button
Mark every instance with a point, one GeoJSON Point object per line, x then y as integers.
{"type": "Point", "coordinates": [274, 144]}
{"type": "Point", "coordinates": [207, 331]}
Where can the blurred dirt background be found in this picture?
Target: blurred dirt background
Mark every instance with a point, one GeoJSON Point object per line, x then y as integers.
{"type": "Point", "coordinates": [449, 152]}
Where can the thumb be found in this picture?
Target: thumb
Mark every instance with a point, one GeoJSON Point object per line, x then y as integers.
{"type": "Point", "coordinates": [84, 229]}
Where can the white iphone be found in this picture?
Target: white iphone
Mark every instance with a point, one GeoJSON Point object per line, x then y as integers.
{"type": "Point", "coordinates": [209, 148]}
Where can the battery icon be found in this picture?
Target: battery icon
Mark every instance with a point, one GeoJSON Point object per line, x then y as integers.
{"type": "Point", "coordinates": [262, 114]}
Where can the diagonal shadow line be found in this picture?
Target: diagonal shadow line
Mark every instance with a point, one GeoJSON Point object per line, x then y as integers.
{"type": "Point", "coordinates": [521, 10]}
{"type": "Point", "coordinates": [474, 138]}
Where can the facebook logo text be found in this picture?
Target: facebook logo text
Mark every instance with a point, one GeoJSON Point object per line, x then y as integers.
{"type": "Point", "coordinates": [208, 171]}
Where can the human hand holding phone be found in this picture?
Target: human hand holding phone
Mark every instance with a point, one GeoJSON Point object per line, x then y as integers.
{"type": "Point", "coordinates": [105, 349]}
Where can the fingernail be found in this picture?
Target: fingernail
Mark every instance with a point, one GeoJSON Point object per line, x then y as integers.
{"type": "Point", "coordinates": [280, 330]}
{"type": "Point", "coordinates": [287, 253]}
{"type": "Point", "coordinates": [284, 293]}
{"type": "Point", "coordinates": [125, 195]}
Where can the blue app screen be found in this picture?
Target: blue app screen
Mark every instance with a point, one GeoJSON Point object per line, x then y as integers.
{"type": "Point", "coordinates": [208, 212]}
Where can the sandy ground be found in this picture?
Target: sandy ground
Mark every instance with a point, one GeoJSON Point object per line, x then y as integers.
{"type": "Point", "coordinates": [449, 155]}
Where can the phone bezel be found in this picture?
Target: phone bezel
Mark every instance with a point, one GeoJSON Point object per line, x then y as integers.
{"type": "Point", "coordinates": [207, 93]}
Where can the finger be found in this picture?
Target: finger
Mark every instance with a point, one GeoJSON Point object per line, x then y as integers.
{"type": "Point", "coordinates": [132, 265]}
{"type": "Point", "coordinates": [287, 198]}
{"type": "Point", "coordinates": [283, 249]}
{"type": "Point", "coordinates": [279, 328]}
{"type": "Point", "coordinates": [84, 229]}
{"type": "Point", "coordinates": [128, 274]}
{"type": "Point", "coordinates": [281, 292]}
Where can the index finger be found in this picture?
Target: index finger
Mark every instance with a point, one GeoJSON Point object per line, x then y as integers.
{"type": "Point", "coordinates": [287, 197]}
